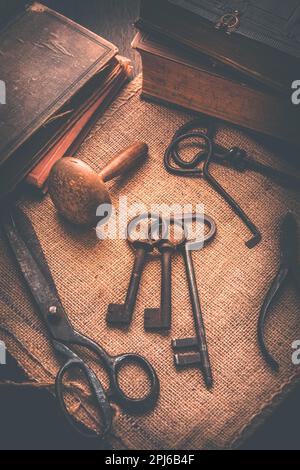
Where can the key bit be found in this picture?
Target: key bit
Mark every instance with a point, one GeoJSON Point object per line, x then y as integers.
{"type": "Point", "coordinates": [187, 359]}
{"type": "Point", "coordinates": [183, 343]}
{"type": "Point", "coordinates": [155, 319]}
{"type": "Point", "coordinates": [118, 314]}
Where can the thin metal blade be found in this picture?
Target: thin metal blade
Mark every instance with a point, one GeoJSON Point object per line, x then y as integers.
{"type": "Point", "coordinates": [36, 273]}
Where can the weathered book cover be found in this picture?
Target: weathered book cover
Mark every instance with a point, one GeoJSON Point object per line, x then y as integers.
{"type": "Point", "coordinates": [274, 23]}
{"type": "Point", "coordinates": [259, 38]}
{"type": "Point", "coordinates": [177, 76]}
{"type": "Point", "coordinates": [45, 60]}
{"type": "Point", "coordinates": [78, 131]}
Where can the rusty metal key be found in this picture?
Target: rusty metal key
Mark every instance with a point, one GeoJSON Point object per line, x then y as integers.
{"type": "Point", "coordinates": [160, 318]}
{"type": "Point", "coordinates": [200, 356]}
{"type": "Point", "coordinates": [121, 314]}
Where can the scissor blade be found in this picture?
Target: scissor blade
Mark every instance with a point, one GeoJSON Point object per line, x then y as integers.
{"type": "Point", "coordinates": [29, 236]}
{"type": "Point", "coordinates": [36, 274]}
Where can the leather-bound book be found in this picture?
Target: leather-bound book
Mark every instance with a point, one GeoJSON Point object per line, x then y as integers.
{"type": "Point", "coordinates": [53, 70]}
{"type": "Point", "coordinates": [237, 60]}
{"type": "Point", "coordinates": [194, 81]}
{"type": "Point", "coordinates": [80, 126]}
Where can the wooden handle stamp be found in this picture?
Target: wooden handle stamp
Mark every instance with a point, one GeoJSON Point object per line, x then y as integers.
{"type": "Point", "coordinates": [76, 190]}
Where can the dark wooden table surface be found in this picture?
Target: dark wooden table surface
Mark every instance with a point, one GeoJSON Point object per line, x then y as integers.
{"type": "Point", "coordinates": [30, 419]}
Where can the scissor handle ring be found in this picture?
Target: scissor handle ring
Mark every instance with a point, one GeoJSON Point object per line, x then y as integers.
{"type": "Point", "coordinates": [105, 410]}
{"type": "Point", "coordinates": [133, 405]}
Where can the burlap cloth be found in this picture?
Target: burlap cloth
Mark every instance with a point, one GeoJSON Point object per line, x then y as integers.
{"type": "Point", "coordinates": [233, 281]}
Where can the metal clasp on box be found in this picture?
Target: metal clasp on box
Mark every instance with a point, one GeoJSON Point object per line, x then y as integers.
{"type": "Point", "coordinates": [229, 22]}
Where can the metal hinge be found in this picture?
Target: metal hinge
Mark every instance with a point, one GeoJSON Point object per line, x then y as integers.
{"type": "Point", "coordinates": [229, 22]}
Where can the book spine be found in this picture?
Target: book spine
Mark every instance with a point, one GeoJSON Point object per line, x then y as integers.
{"type": "Point", "coordinates": [202, 91]}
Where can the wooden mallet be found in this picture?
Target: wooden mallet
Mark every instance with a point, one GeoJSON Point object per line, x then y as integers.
{"type": "Point", "coordinates": [77, 190]}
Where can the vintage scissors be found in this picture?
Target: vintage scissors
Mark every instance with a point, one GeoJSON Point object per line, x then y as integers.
{"type": "Point", "coordinates": [211, 152]}
{"type": "Point", "coordinates": [289, 268]}
{"type": "Point", "coordinates": [31, 260]}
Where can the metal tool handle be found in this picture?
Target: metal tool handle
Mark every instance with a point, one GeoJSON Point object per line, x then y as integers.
{"type": "Point", "coordinates": [270, 298]}
{"type": "Point", "coordinates": [133, 405]}
{"type": "Point", "coordinates": [95, 387]}
{"type": "Point", "coordinates": [113, 366]}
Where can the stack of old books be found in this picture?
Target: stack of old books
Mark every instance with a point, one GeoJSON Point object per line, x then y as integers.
{"type": "Point", "coordinates": [58, 78]}
{"type": "Point", "coordinates": [235, 60]}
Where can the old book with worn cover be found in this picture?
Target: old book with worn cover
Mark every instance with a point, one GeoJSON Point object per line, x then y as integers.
{"type": "Point", "coordinates": [179, 76]}
{"type": "Point", "coordinates": [75, 134]}
{"type": "Point", "coordinates": [260, 38]}
{"type": "Point", "coordinates": [50, 65]}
